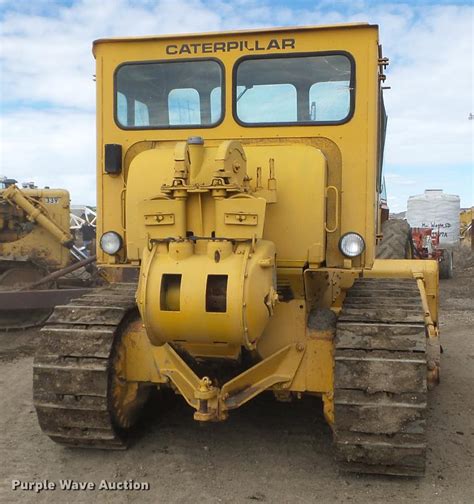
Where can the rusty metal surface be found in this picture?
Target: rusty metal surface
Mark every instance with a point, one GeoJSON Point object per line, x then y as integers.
{"type": "Point", "coordinates": [71, 373]}
{"type": "Point", "coordinates": [22, 305]}
{"type": "Point", "coordinates": [59, 273]}
{"type": "Point", "coordinates": [37, 299]}
{"type": "Point", "coordinates": [381, 379]}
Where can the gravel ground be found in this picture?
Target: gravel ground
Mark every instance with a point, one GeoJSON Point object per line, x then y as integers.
{"type": "Point", "coordinates": [267, 452]}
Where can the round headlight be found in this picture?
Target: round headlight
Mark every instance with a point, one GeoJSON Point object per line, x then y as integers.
{"type": "Point", "coordinates": [111, 242]}
{"type": "Point", "coordinates": [351, 244]}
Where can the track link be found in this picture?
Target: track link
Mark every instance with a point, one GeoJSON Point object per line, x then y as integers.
{"type": "Point", "coordinates": [380, 379]}
{"type": "Point", "coordinates": [71, 372]}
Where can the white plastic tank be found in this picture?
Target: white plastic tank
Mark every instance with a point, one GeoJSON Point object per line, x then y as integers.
{"type": "Point", "coordinates": [437, 211]}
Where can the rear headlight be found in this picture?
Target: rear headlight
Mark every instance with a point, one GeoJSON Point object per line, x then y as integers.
{"type": "Point", "coordinates": [111, 242]}
{"type": "Point", "coordinates": [351, 244]}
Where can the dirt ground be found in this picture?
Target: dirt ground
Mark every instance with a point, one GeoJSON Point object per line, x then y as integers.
{"type": "Point", "coordinates": [266, 452]}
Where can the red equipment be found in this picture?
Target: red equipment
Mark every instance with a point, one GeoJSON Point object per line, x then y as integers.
{"type": "Point", "coordinates": [425, 245]}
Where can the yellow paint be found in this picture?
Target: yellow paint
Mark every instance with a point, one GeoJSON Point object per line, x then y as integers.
{"type": "Point", "coordinates": [353, 143]}
{"type": "Point", "coordinates": [141, 363]}
{"type": "Point", "coordinates": [261, 209]}
{"type": "Point", "coordinates": [465, 220]}
{"type": "Point", "coordinates": [189, 321]}
{"type": "Point", "coordinates": [34, 226]}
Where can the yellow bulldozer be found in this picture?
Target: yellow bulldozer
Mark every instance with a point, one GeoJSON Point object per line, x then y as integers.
{"type": "Point", "coordinates": [36, 245]}
{"type": "Point", "coordinates": [239, 180]}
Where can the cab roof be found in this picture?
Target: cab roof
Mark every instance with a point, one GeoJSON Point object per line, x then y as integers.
{"type": "Point", "coordinates": [260, 31]}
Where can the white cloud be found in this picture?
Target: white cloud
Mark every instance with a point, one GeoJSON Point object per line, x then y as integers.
{"type": "Point", "coordinates": [397, 179]}
{"type": "Point", "coordinates": [55, 149]}
{"type": "Point", "coordinates": [46, 59]}
{"type": "Point", "coordinates": [431, 94]}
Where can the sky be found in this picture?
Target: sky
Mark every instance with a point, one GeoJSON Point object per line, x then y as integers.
{"type": "Point", "coordinates": [47, 94]}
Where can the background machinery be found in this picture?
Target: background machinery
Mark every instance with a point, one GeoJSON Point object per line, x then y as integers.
{"type": "Point", "coordinates": [35, 241]}
{"type": "Point", "coordinates": [434, 219]}
{"type": "Point", "coordinates": [81, 214]}
{"type": "Point", "coordinates": [239, 179]}
{"type": "Point", "coordinates": [465, 220]}
{"type": "Point", "coordinates": [400, 241]}
{"type": "Point", "coordinates": [426, 245]}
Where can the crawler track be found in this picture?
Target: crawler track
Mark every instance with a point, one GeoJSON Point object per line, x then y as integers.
{"type": "Point", "coordinates": [380, 379]}
{"type": "Point", "coordinates": [71, 376]}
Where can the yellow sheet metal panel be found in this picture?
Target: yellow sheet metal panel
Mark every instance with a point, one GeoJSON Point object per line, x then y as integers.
{"type": "Point", "coordinates": [240, 217]}
{"type": "Point", "coordinates": [287, 325]}
{"type": "Point", "coordinates": [163, 218]}
{"type": "Point", "coordinates": [355, 139]}
{"type": "Point", "coordinates": [300, 172]}
{"type": "Point", "coordinates": [316, 373]}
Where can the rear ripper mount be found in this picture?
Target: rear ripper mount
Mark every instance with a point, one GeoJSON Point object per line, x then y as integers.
{"type": "Point", "coordinates": [380, 376]}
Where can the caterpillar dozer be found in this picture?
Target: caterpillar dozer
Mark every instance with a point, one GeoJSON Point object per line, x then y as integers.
{"type": "Point", "coordinates": [238, 183]}
{"type": "Point", "coordinates": [35, 241]}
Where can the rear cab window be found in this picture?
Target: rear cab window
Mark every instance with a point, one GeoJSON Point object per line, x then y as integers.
{"type": "Point", "coordinates": [295, 89]}
{"type": "Point", "coordinates": [169, 94]}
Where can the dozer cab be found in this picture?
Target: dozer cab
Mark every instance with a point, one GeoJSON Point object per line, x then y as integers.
{"type": "Point", "coordinates": [238, 184]}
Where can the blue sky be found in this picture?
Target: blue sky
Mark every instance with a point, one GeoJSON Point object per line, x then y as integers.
{"type": "Point", "coordinates": [47, 100]}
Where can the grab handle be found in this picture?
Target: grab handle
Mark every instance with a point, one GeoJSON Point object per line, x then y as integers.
{"type": "Point", "coordinates": [336, 196]}
{"type": "Point", "coordinates": [122, 208]}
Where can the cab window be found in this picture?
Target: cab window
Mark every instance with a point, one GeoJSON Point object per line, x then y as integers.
{"type": "Point", "coordinates": [313, 89]}
{"type": "Point", "coordinates": [170, 94]}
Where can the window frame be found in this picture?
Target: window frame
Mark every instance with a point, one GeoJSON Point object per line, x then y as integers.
{"type": "Point", "coordinates": [170, 127]}
{"type": "Point", "coordinates": [352, 84]}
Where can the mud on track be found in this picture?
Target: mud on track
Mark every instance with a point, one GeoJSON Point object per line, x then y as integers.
{"type": "Point", "coordinates": [267, 451]}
